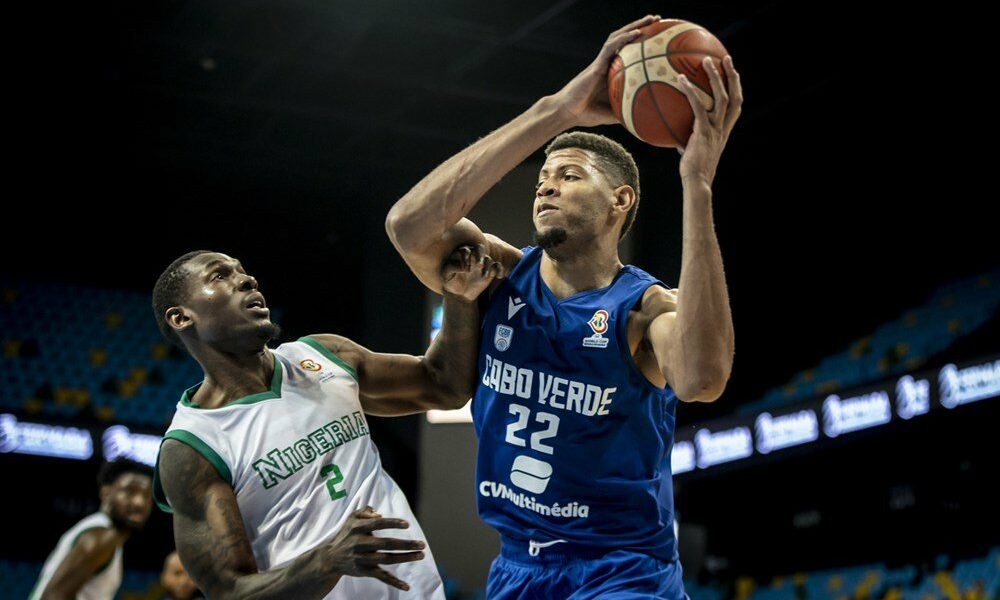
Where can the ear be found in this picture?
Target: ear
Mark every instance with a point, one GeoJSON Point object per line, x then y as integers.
{"type": "Point", "coordinates": [624, 199]}
{"type": "Point", "coordinates": [179, 319]}
{"type": "Point", "coordinates": [104, 492]}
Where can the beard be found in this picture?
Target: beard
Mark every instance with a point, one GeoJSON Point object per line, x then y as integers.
{"type": "Point", "coordinates": [269, 331]}
{"type": "Point", "coordinates": [550, 239]}
{"type": "Point", "coordinates": [123, 524]}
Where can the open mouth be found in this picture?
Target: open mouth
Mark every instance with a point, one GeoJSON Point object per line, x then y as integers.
{"type": "Point", "coordinates": [256, 301]}
{"type": "Point", "coordinates": [546, 208]}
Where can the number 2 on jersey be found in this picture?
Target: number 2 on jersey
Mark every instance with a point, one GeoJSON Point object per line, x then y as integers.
{"type": "Point", "coordinates": [331, 484]}
{"type": "Point", "coordinates": [522, 413]}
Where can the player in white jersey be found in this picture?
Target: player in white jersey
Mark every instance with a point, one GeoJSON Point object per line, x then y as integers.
{"type": "Point", "coordinates": [268, 466]}
{"type": "Point", "coordinates": [86, 564]}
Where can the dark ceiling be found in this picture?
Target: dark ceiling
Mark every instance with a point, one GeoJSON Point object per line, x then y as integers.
{"type": "Point", "coordinates": [282, 132]}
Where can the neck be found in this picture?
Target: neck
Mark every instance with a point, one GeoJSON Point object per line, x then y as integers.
{"type": "Point", "coordinates": [230, 376]}
{"type": "Point", "coordinates": [572, 269]}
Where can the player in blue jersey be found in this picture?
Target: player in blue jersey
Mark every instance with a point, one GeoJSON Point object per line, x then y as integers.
{"type": "Point", "coordinates": [582, 359]}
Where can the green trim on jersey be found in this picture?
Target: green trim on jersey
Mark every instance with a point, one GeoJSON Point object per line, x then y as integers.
{"type": "Point", "coordinates": [330, 355]}
{"type": "Point", "coordinates": [274, 392]}
{"type": "Point", "coordinates": [190, 439]}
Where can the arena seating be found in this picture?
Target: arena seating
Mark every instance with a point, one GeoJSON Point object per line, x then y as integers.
{"type": "Point", "coordinates": [71, 351]}
{"type": "Point", "coordinates": [901, 345]}
{"type": "Point", "coordinates": [975, 578]}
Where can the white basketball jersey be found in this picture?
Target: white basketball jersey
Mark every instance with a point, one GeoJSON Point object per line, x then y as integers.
{"type": "Point", "coordinates": [102, 586]}
{"type": "Point", "coordinates": [300, 459]}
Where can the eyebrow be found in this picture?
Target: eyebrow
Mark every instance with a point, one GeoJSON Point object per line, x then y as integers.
{"type": "Point", "coordinates": [215, 261]}
{"type": "Point", "coordinates": [564, 166]}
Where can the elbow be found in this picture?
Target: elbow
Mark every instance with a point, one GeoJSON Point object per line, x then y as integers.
{"type": "Point", "coordinates": [455, 400]}
{"type": "Point", "coordinates": [400, 233]}
{"type": "Point", "coordinates": [455, 397]}
{"type": "Point", "coordinates": [707, 387]}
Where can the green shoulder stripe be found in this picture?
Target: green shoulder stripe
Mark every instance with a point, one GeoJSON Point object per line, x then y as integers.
{"type": "Point", "coordinates": [186, 437]}
{"type": "Point", "coordinates": [318, 347]}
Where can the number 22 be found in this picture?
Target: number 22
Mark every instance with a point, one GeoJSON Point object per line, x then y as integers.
{"type": "Point", "coordinates": [522, 413]}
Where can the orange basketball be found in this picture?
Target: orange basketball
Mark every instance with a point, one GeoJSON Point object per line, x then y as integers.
{"type": "Point", "coordinates": [642, 82]}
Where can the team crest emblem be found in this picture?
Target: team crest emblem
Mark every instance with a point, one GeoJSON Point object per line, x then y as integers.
{"type": "Point", "coordinates": [503, 337]}
{"type": "Point", "coordinates": [599, 325]}
{"type": "Point", "coordinates": [310, 365]}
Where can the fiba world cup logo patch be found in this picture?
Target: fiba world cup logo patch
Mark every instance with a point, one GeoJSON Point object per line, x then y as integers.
{"type": "Point", "coordinates": [310, 365]}
{"type": "Point", "coordinates": [503, 337]}
{"type": "Point", "coordinates": [599, 325]}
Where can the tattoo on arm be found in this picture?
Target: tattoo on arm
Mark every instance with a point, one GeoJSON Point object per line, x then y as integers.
{"type": "Point", "coordinates": [212, 541]}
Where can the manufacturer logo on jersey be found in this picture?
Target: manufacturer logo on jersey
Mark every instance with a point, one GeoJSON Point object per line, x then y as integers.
{"type": "Point", "coordinates": [598, 324]}
{"type": "Point", "coordinates": [503, 337]}
{"type": "Point", "coordinates": [310, 365]}
{"type": "Point", "coordinates": [513, 305]}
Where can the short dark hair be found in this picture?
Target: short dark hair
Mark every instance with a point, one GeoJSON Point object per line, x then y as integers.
{"type": "Point", "coordinates": [616, 162]}
{"type": "Point", "coordinates": [171, 291]}
{"type": "Point", "coordinates": [111, 471]}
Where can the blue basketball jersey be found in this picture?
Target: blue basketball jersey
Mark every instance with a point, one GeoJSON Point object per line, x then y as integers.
{"type": "Point", "coordinates": [574, 441]}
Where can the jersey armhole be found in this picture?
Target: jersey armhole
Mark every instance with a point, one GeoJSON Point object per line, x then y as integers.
{"type": "Point", "coordinates": [196, 444]}
{"type": "Point", "coordinates": [323, 350]}
{"type": "Point", "coordinates": [622, 339]}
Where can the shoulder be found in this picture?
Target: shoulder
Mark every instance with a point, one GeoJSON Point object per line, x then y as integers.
{"type": "Point", "coordinates": [96, 544]}
{"type": "Point", "coordinates": [342, 348]}
{"type": "Point", "coordinates": [184, 474]}
{"type": "Point", "coordinates": [97, 538]}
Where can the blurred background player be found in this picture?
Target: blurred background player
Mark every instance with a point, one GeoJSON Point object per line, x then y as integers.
{"type": "Point", "coordinates": [582, 358]}
{"type": "Point", "coordinates": [177, 584]}
{"type": "Point", "coordinates": [268, 465]}
{"type": "Point", "coordinates": [87, 562]}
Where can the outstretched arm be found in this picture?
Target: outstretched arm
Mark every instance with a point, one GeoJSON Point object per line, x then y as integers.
{"type": "Point", "coordinates": [421, 220]}
{"type": "Point", "coordinates": [694, 345]}
{"type": "Point", "coordinates": [214, 548]}
{"type": "Point", "coordinates": [445, 378]}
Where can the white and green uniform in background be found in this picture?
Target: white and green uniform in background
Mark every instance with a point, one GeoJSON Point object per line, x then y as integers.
{"type": "Point", "coordinates": [301, 460]}
{"type": "Point", "coordinates": [102, 586]}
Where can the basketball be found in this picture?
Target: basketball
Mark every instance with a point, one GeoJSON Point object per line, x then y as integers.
{"type": "Point", "coordinates": [642, 83]}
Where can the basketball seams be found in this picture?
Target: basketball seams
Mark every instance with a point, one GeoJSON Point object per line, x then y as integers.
{"type": "Point", "coordinates": [652, 96]}
{"type": "Point", "coordinates": [662, 57]}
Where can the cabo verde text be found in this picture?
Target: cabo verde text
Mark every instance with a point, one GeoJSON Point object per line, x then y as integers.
{"type": "Point", "coordinates": [556, 392]}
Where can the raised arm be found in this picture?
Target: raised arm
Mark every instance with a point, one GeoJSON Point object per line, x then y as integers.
{"type": "Point", "coordinates": [214, 548]}
{"type": "Point", "coordinates": [694, 345]}
{"type": "Point", "coordinates": [445, 377]}
{"type": "Point", "coordinates": [421, 222]}
{"type": "Point", "coordinates": [91, 551]}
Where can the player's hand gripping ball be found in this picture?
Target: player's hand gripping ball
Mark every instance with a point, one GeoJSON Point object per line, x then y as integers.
{"type": "Point", "coordinates": [645, 94]}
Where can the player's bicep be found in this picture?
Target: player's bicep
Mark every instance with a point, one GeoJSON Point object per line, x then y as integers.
{"type": "Point", "coordinates": [91, 551]}
{"type": "Point", "coordinates": [208, 528]}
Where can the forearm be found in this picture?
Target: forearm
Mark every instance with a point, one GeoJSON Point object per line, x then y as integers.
{"type": "Point", "coordinates": [704, 321]}
{"type": "Point", "coordinates": [442, 198]}
{"type": "Point", "coordinates": [303, 578]}
{"type": "Point", "coordinates": [452, 356]}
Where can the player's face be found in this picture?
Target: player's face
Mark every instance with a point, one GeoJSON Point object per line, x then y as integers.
{"type": "Point", "coordinates": [130, 497]}
{"type": "Point", "coordinates": [175, 579]}
{"type": "Point", "coordinates": [572, 196]}
{"type": "Point", "coordinates": [223, 302]}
